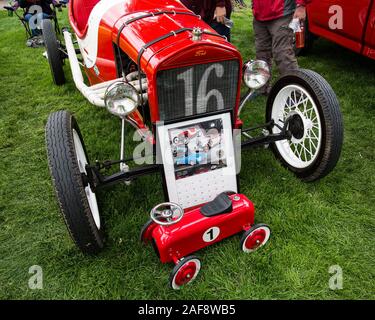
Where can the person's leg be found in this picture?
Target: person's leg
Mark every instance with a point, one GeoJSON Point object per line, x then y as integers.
{"type": "Point", "coordinates": [221, 29]}
{"type": "Point", "coordinates": [263, 47]}
{"type": "Point", "coordinates": [27, 18]}
{"type": "Point", "coordinates": [282, 45]}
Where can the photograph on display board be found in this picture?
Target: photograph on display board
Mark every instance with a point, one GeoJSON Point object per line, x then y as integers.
{"type": "Point", "coordinates": [197, 148]}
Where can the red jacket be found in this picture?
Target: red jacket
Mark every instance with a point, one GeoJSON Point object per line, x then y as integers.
{"type": "Point", "coordinates": [206, 8]}
{"type": "Point", "coordinates": [265, 10]}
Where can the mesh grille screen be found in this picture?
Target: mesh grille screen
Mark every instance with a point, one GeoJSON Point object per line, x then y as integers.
{"type": "Point", "coordinates": [197, 89]}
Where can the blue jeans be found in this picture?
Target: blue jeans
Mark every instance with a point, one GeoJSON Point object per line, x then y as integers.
{"type": "Point", "coordinates": [35, 26]}
{"type": "Point", "coordinates": [221, 29]}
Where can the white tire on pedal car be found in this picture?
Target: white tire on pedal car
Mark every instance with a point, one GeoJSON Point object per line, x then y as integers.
{"type": "Point", "coordinates": [317, 128]}
{"type": "Point", "coordinates": [67, 159]}
{"type": "Point", "coordinates": [254, 238]}
{"type": "Point", "coordinates": [184, 272]}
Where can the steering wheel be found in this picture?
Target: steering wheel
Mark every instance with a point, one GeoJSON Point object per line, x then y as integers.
{"type": "Point", "coordinates": [167, 213]}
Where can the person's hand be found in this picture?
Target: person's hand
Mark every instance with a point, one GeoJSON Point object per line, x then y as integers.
{"type": "Point", "coordinates": [220, 14]}
{"type": "Point", "coordinates": [300, 13]}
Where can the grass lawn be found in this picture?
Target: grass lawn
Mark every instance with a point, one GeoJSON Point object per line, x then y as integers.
{"type": "Point", "coordinates": [315, 226]}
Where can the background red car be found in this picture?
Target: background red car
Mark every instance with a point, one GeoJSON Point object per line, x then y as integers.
{"type": "Point", "coordinates": [358, 24]}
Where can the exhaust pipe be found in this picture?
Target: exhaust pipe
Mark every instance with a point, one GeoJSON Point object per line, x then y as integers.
{"type": "Point", "coordinates": [94, 94]}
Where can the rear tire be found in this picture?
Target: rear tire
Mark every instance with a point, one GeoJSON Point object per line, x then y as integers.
{"type": "Point", "coordinates": [66, 158]}
{"type": "Point", "coordinates": [54, 54]}
{"type": "Point", "coordinates": [317, 138]}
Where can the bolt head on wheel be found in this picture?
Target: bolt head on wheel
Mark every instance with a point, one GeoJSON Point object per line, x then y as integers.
{"type": "Point", "coordinates": [254, 238]}
{"type": "Point", "coordinates": [184, 272]}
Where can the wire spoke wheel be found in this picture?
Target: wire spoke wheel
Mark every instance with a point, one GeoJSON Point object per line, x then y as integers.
{"type": "Point", "coordinates": [294, 103]}
{"type": "Point", "coordinates": [305, 103]}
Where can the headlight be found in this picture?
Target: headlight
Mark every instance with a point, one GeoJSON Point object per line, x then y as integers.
{"type": "Point", "coordinates": [121, 99]}
{"type": "Point", "coordinates": [256, 74]}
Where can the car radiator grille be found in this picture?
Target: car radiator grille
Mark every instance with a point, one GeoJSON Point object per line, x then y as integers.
{"type": "Point", "coordinates": [198, 89]}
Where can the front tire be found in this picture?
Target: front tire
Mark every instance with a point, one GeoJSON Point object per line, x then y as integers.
{"type": "Point", "coordinates": [53, 53]}
{"type": "Point", "coordinates": [184, 272]}
{"type": "Point", "coordinates": [305, 98]}
{"type": "Point", "coordinates": [254, 238]}
{"type": "Point", "coordinates": [67, 159]}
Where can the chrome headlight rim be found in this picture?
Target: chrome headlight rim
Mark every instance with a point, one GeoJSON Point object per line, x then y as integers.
{"type": "Point", "coordinates": [115, 89]}
{"type": "Point", "coordinates": [256, 67]}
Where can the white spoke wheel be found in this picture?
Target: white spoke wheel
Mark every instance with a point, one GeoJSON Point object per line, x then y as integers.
{"type": "Point", "coordinates": [256, 237]}
{"type": "Point", "coordinates": [305, 102]}
{"type": "Point", "coordinates": [67, 159]}
{"type": "Point", "coordinates": [184, 272]}
{"type": "Point", "coordinates": [82, 162]}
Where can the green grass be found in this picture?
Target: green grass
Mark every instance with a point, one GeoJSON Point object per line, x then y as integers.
{"type": "Point", "coordinates": [314, 225]}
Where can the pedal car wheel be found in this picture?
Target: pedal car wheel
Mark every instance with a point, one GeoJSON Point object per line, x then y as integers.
{"type": "Point", "coordinates": [306, 102]}
{"type": "Point", "coordinates": [53, 52]}
{"type": "Point", "coordinates": [256, 237]}
{"type": "Point", "coordinates": [184, 272]}
{"type": "Point", "coordinates": [145, 233]}
{"type": "Point", "coordinates": [67, 158]}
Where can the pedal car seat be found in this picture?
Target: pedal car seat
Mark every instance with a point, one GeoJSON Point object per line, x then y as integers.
{"type": "Point", "coordinates": [79, 13]}
{"type": "Point", "coordinates": [220, 205]}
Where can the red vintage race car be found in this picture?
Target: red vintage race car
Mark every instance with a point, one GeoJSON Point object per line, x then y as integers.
{"type": "Point", "coordinates": [161, 69]}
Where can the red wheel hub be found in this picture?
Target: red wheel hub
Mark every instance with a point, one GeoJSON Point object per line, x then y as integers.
{"type": "Point", "coordinates": [186, 273]}
{"type": "Point", "coordinates": [255, 239]}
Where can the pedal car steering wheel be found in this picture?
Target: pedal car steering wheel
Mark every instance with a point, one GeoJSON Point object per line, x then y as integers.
{"type": "Point", "coordinates": [167, 213]}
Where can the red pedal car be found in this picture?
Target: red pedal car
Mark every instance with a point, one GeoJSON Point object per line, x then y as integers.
{"type": "Point", "coordinates": [160, 69]}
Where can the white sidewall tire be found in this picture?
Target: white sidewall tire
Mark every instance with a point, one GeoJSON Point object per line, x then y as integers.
{"type": "Point", "coordinates": [181, 265]}
{"type": "Point", "coordinates": [250, 232]}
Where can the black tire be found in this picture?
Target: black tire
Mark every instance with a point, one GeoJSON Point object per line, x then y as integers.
{"type": "Point", "coordinates": [328, 107]}
{"type": "Point", "coordinates": [144, 229]}
{"type": "Point", "coordinates": [68, 182]}
{"type": "Point", "coordinates": [309, 42]}
{"type": "Point", "coordinates": [54, 54]}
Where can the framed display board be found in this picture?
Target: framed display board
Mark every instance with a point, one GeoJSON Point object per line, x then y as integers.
{"type": "Point", "coordinates": [198, 158]}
